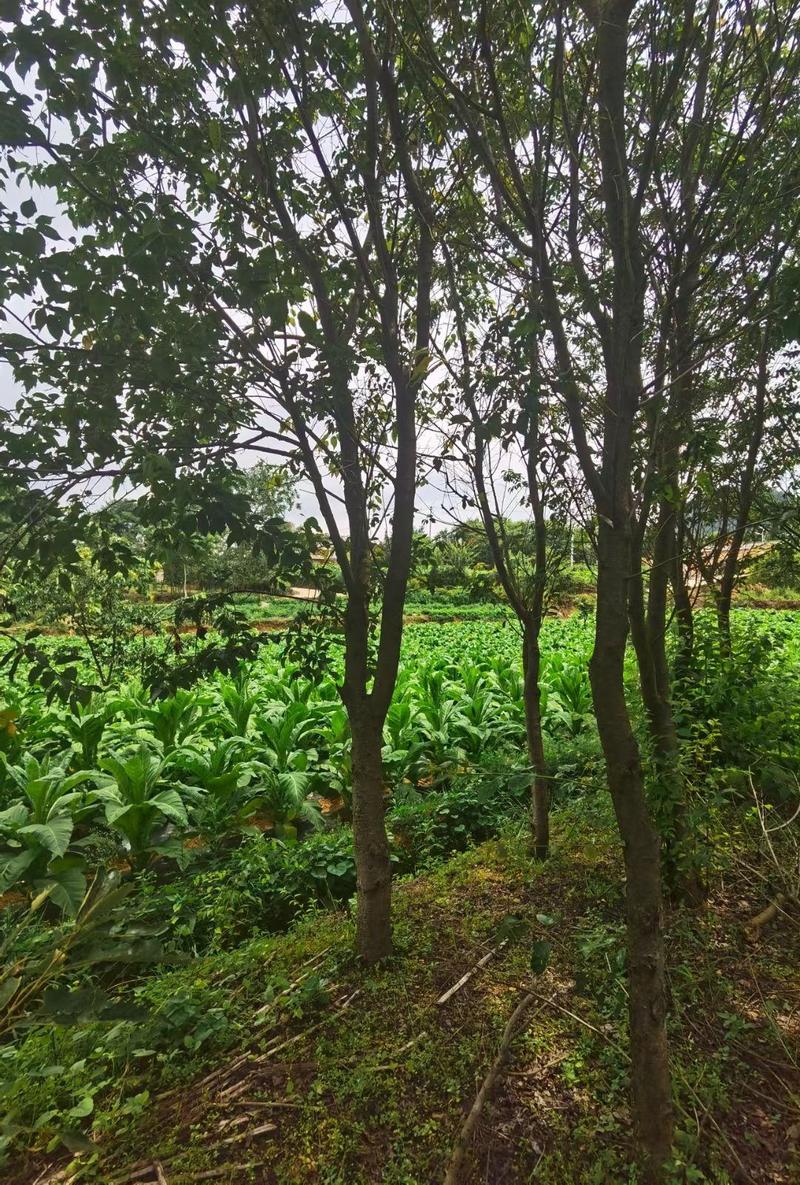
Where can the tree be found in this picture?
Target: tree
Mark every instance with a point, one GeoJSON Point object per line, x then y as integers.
{"type": "Point", "coordinates": [270, 489]}
{"type": "Point", "coordinates": [560, 119]}
{"type": "Point", "coordinates": [501, 412]}
{"type": "Point", "coordinates": [741, 455]}
{"type": "Point", "coordinates": [243, 276]}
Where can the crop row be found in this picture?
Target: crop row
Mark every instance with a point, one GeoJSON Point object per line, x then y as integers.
{"type": "Point", "coordinates": [141, 780]}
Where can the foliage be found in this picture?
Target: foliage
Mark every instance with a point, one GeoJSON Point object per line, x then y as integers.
{"type": "Point", "coordinates": [37, 830]}
{"type": "Point", "coordinates": [137, 801]}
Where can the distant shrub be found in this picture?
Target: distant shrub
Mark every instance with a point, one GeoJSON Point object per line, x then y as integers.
{"type": "Point", "coordinates": [446, 597]}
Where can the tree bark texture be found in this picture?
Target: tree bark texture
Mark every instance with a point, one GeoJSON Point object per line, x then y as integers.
{"type": "Point", "coordinates": [652, 1096]}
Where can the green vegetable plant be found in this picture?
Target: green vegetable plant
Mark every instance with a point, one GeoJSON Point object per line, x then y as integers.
{"type": "Point", "coordinates": [173, 720]}
{"type": "Point", "coordinates": [333, 778]}
{"type": "Point", "coordinates": [48, 789]}
{"type": "Point", "coordinates": [238, 704]}
{"type": "Point", "coordinates": [85, 727]}
{"type": "Point", "coordinates": [282, 802]}
{"type": "Point", "coordinates": [36, 832]}
{"type": "Point", "coordinates": [138, 804]}
{"type": "Point", "coordinates": [284, 738]}
{"type": "Point", "coordinates": [219, 784]}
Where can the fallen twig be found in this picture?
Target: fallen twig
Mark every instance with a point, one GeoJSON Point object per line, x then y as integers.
{"type": "Point", "coordinates": [403, 1049]}
{"type": "Point", "coordinates": [453, 1174]}
{"type": "Point", "coordinates": [448, 995]}
{"type": "Point", "coordinates": [754, 926]}
{"type": "Point", "coordinates": [145, 1168]}
{"type": "Point", "coordinates": [586, 1024]}
{"type": "Point", "coordinates": [240, 1137]}
{"type": "Point", "coordinates": [259, 1104]}
{"type": "Point", "coordinates": [287, 991]}
{"type": "Point", "coordinates": [232, 1092]}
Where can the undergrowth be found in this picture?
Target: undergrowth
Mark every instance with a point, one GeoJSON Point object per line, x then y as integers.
{"type": "Point", "coordinates": [371, 1088]}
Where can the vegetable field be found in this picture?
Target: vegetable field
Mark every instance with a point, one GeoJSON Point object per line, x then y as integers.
{"type": "Point", "coordinates": [266, 749]}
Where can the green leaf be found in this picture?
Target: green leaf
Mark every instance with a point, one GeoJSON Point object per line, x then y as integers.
{"type": "Point", "coordinates": [75, 1141]}
{"type": "Point", "coordinates": [15, 342]}
{"type": "Point", "coordinates": [12, 867]}
{"type": "Point", "coordinates": [69, 889]}
{"type": "Point", "coordinates": [421, 367]}
{"type": "Point", "coordinates": [53, 835]}
{"type": "Point", "coordinates": [540, 956]}
{"type": "Point", "coordinates": [510, 928]}
{"type": "Point", "coordinates": [307, 324]}
{"type": "Point", "coordinates": [13, 816]}
{"type": "Point", "coordinates": [7, 989]}
{"type": "Point", "coordinates": [82, 1109]}
{"type": "Point", "coordinates": [66, 1006]}
{"type": "Point", "coordinates": [170, 804]}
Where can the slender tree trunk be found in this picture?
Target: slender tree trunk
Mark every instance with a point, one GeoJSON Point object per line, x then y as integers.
{"type": "Point", "coordinates": [684, 613]}
{"type": "Point", "coordinates": [724, 601]}
{"type": "Point", "coordinates": [652, 1097]}
{"type": "Point", "coordinates": [540, 790]}
{"type": "Point", "coordinates": [648, 632]}
{"type": "Point", "coordinates": [661, 722]}
{"type": "Point", "coordinates": [670, 803]}
{"type": "Point", "coordinates": [373, 867]}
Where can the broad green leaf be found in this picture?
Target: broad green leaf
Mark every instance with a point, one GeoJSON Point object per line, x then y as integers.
{"type": "Point", "coordinates": [540, 956]}
{"type": "Point", "coordinates": [53, 835]}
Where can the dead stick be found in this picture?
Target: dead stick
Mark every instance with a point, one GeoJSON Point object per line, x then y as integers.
{"type": "Point", "coordinates": [767, 915]}
{"type": "Point", "coordinates": [453, 1174]}
{"type": "Point", "coordinates": [586, 1024]}
{"type": "Point", "coordinates": [403, 1049]}
{"type": "Point", "coordinates": [145, 1169]}
{"type": "Point", "coordinates": [469, 974]}
{"type": "Point", "coordinates": [209, 1174]}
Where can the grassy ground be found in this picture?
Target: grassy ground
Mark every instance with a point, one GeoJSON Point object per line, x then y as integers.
{"type": "Point", "coordinates": [325, 1074]}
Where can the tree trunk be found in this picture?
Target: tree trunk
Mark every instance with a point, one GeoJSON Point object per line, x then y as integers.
{"type": "Point", "coordinates": [373, 868]}
{"type": "Point", "coordinates": [724, 600]}
{"type": "Point", "coordinates": [684, 613]}
{"type": "Point", "coordinates": [652, 1097]}
{"type": "Point", "coordinates": [540, 789]}
{"type": "Point", "coordinates": [648, 631]}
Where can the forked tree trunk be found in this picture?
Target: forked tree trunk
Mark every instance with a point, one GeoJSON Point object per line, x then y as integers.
{"type": "Point", "coordinates": [373, 867]}
{"type": "Point", "coordinates": [652, 1098]}
{"type": "Point", "coordinates": [648, 631]}
{"type": "Point", "coordinates": [540, 788]}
